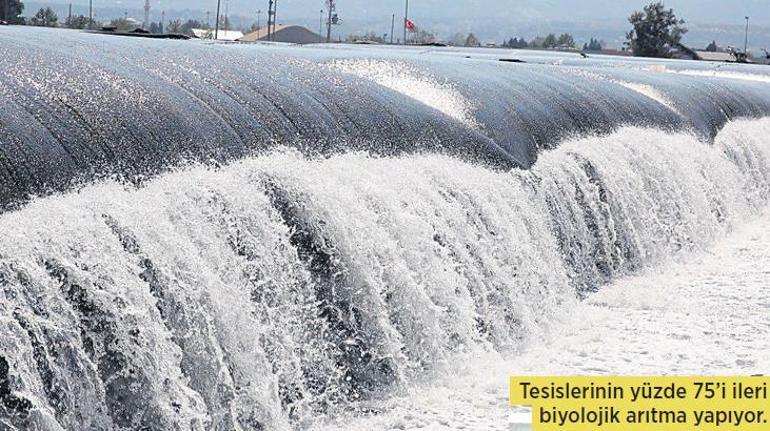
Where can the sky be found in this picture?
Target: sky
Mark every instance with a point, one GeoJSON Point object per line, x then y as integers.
{"type": "Point", "coordinates": [490, 19]}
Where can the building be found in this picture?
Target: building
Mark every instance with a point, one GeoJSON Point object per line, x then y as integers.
{"type": "Point", "coordinates": [284, 33]}
{"type": "Point", "coordinates": [228, 35]}
{"type": "Point", "coordinates": [716, 56]}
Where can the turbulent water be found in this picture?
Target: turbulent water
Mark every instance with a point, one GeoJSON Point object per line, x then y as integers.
{"type": "Point", "coordinates": [75, 106]}
{"type": "Point", "coordinates": [260, 237]}
{"type": "Point", "coordinates": [276, 290]}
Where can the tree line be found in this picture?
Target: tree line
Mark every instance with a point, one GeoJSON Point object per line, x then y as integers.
{"type": "Point", "coordinates": [655, 31]}
{"type": "Point", "coordinates": [550, 41]}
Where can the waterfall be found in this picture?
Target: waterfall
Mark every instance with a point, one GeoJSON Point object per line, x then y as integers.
{"type": "Point", "coordinates": [263, 293]}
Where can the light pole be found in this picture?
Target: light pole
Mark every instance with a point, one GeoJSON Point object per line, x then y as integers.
{"type": "Point", "coordinates": [321, 26]}
{"type": "Point", "coordinates": [259, 16]}
{"type": "Point", "coordinates": [746, 41]}
{"type": "Point", "coordinates": [392, 27]}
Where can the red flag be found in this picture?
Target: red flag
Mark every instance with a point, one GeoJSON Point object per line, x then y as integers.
{"type": "Point", "coordinates": [409, 25]}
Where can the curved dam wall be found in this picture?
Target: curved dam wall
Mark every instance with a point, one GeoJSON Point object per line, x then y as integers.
{"type": "Point", "coordinates": [76, 107]}
{"type": "Point", "coordinates": [428, 207]}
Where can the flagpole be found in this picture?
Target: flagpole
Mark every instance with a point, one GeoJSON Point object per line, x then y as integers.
{"type": "Point", "coordinates": [406, 17]}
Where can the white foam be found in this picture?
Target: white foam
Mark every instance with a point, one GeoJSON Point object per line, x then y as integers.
{"type": "Point", "coordinates": [651, 92]}
{"type": "Point", "coordinates": [741, 76]}
{"type": "Point", "coordinates": [404, 267]}
{"type": "Point", "coordinates": [414, 83]}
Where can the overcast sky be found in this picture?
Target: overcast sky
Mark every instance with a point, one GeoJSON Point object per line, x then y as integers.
{"type": "Point", "coordinates": [494, 19]}
{"type": "Point", "coordinates": [722, 12]}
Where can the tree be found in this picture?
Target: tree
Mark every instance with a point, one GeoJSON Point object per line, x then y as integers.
{"type": "Point", "coordinates": [78, 22]}
{"type": "Point", "coordinates": [10, 11]}
{"type": "Point", "coordinates": [712, 46]}
{"type": "Point", "coordinates": [123, 24]}
{"type": "Point", "coordinates": [656, 31]}
{"type": "Point", "coordinates": [367, 37]}
{"type": "Point", "coordinates": [458, 39]}
{"type": "Point", "coordinates": [593, 45]}
{"type": "Point", "coordinates": [187, 27]}
{"type": "Point", "coordinates": [550, 41]}
{"type": "Point", "coordinates": [566, 40]}
{"type": "Point", "coordinates": [472, 40]}
{"type": "Point", "coordinates": [516, 43]}
{"type": "Point", "coordinates": [537, 42]}
{"type": "Point", "coordinates": [45, 17]}
{"type": "Point", "coordinates": [175, 26]}
{"type": "Point", "coordinates": [422, 37]}
{"type": "Point", "coordinates": [156, 27]}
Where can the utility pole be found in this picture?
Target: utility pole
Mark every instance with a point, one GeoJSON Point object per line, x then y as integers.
{"type": "Point", "coordinates": [321, 26]}
{"type": "Point", "coordinates": [162, 21]}
{"type": "Point", "coordinates": [329, 5]}
{"type": "Point", "coordinates": [146, 23]}
{"type": "Point", "coordinates": [275, 15]}
{"type": "Point", "coordinates": [227, 16]}
{"type": "Point", "coordinates": [259, 16]}
{"type": "Point", "coordinates": [90, 14]}
{"type": "Point", "coordinates": [269, 19]}
{"type": "Point", "coordinates": [392, 27]}
{"type": "Point", "coordinates": [746, 41]}
{"type": "Point", "coordinates": [69, 14]}
{"type": "Point", "coordinates": [216, 25]}
{"type": "Point", "coordinates": [406, 18]}
{"type": "Point", "coordinates": [208, 19]}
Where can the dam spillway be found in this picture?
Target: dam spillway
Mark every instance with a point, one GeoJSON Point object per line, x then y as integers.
{"type": "Point", "coordinates": [94, 106]}
{"type": "Point", "coordinates": [206, 236]}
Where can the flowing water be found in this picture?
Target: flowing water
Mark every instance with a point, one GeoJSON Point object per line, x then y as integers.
{"type": "Point", "coordinates": [265, 293]}
{"type": "Point", "coordinates": [347, 226]}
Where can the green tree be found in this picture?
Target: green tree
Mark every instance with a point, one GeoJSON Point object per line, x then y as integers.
{"type": "Point", "coordinates": [566, 40]}
{"type": "Point", "coordinates": [421, 36]}
{"type": "Point", "coordinates": [458, 39]}
{"type": "Point", "coordinates": [550, 41]}
{"type": "Point", "coordinates": [156, 27]}
{"type": "Point", "coordinates": [593, 45]}
{"type": "Point", "coordinates": [78, 22]}
{"type": "Point", "coordinates": [537, 42]}
{"type": "Point", "coordinates": [515, 42]}
{"type": "Point", "coordinates": [187, 27]}
{"type": "Point", "coordinates": [369, 36]}
{"type": "Point", "coordinates": [45, 17]}
{"type": "Point", "coordinates": [657, 32]}
{"type": "Point", "coordinates": [472, 40]}
{"type": "Point", "coordinates": [712, 46]}
{"type": "Point", "coordinates": [10, 11]}
{"type": "Point", "coordinates": [123, 24]}
{"type": "Point", "coordinates": [175, 26]}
